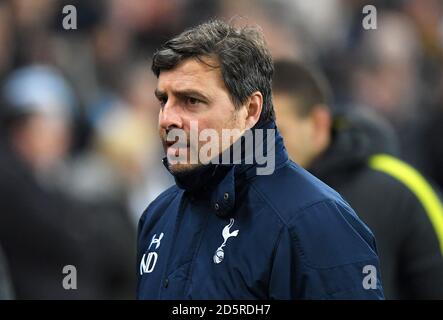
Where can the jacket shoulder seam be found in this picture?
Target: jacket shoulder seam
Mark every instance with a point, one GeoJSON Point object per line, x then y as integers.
{"type": "Point", "coordinates": [172, 191]}
{"type": "Point", "coordinates": [287, 222]}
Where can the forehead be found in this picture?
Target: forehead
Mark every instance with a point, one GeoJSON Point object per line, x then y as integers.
{"type": "Point", "coordinates": [192, 73]}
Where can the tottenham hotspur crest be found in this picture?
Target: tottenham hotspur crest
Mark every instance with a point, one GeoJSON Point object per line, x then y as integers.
{"type": "Point", "coordinates": [219, 253]}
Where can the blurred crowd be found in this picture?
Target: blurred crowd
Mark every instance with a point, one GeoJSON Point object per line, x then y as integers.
{"type": "Point", "coordinates": [79, 154]}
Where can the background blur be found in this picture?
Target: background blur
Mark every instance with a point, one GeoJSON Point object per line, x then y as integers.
{"type": "Point", "coordinates": [81, 159]}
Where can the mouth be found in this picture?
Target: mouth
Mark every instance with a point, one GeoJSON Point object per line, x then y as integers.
{"type": "Point", "coordinates": [176, 149]}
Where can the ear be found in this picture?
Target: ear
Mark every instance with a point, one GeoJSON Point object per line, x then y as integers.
{"type": "Point", "coordinates": [254, 107]}
{"type": "Point", "coordinates": [322, 120]}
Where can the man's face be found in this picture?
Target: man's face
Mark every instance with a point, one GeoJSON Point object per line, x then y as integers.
{"type": "Point", "coordinates": [194, 91]}
{"type": "Point", "coordinates": [42, 141]}
{"type": "Point", "coordinates": [298, 132]}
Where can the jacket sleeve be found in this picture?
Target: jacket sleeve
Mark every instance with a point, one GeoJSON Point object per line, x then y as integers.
{"type": "Point", "coordinates": [326, 252]}
{"type": "Point", "coordinates": [421, 256]}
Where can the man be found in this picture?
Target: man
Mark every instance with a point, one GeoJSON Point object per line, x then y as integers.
{"type": "Point", "coordinates": [350, 153]}
{"type": "Point", "coordinates": [231, 231]}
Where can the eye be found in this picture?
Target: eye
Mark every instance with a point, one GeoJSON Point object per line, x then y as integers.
{"type": "Point", "coordinates": [192, 101]}
{"type": "Point", "coordinates": [163, 101]}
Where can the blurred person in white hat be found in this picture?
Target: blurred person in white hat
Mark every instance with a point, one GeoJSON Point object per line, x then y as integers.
{"type": "Point", "coordinates": [42, 229]}
{"type": "Point", "coordinates": [41, 105]}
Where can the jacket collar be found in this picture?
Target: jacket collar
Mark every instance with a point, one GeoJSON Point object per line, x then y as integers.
{"type": "Point", "coordinates": [218, 182]}
{"type": "Point", "coordinates": [356, 136]}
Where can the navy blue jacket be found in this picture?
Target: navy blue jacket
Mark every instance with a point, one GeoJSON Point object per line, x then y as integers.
{"type": "Point", "coordinates": [225, 232]}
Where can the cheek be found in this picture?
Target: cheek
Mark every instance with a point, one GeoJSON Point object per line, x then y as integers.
{"type": "Point", "coordinates": [48, 140]}
{"type": "Point", "coordinates": [57, 139]}
{"type": "Point", "coordinates": [304, 133]}
{"type": "Point", "coordinates": [161, 131]}
{"type": "Point", "coordinates": [226, 115]}
{"type": "Point", "coordinates": [295, 134]}
{"type": "Point", "coordinates": [286, 128]}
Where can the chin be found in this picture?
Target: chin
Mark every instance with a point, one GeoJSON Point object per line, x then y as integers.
{"type": "Point", "coordinates": [183, 167]}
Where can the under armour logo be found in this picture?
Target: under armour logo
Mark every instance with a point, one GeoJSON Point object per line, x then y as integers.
{"type": "Point", "coordinates": [219, 253]}
{"type": "Point", "coordinates": [156, 241]}
{"type": "Point", "coordinates": [148, 262]}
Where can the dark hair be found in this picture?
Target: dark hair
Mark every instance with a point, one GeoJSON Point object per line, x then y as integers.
{"type": "Point", "coordinates": [303, 83]}
{"type": "Point", "coordinates": [10, 118]}
{"type": "Point", "coordinates": [245, 62]}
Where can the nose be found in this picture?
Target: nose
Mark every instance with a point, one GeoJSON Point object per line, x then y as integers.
{"type": "Point", "coordinates": [170, 117]}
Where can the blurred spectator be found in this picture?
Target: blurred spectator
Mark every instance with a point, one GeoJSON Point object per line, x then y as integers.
{"type": "Point", "coordinates": [101, 153]}
{"type": "Point", "coordinates": [433, 143]}
{"type": "Point", "coordinates": [41, 229]}
{"type": "Point", "coordinates": [386, 79]}
{"type": "Point", "coordinates": [6, 39]}
{"type": "Point", "coordinates": [273, 19]}
{"type": "Point", "coordinates": [122, 164]}
{"type": "Point", "coordinates": [353, 153]}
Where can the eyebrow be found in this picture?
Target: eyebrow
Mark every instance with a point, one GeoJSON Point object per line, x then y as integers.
{"type": "Point", "coordinates": [159, 94]}
{"type": "Point", "coordinates": [182, 93]}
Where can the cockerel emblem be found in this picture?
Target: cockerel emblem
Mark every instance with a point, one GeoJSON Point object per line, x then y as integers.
{"type": "Point", "coordinates": [226, 234]}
